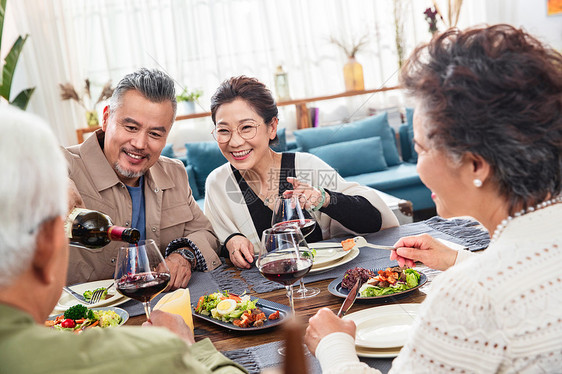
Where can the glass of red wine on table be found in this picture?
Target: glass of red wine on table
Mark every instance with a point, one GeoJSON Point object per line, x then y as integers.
{"type": "Point", "coordinates": [284, 258]}
{"type": "Point", "coordinates": [141, 272]}
{"type": "Point", "coordinates": [288, 212]}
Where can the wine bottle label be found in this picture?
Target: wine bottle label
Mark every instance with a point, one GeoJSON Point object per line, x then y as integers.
{"type": "Point", "coordinates": [70, 220]}
{"type": "Point", "coordinates": [115, 232]}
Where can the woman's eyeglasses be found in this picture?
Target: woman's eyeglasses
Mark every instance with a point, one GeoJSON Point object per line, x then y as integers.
{"type": "Point", "coordinates": [246, 131]}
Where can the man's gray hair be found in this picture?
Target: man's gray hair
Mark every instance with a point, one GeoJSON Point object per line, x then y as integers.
{"type": "Point", "coordinates": [153, 84]}
{"type": "Point", "coordinates": [33, 188]}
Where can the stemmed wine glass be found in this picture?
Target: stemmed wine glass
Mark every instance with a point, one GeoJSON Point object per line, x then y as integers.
{"type": "Point", "coordinates": [141, 272]}
{"type": "Point", "coordinates": [281, 260]}
{"type": "Point", "coordinates": [287, 211]}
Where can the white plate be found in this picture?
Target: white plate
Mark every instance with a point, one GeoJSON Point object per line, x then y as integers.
{"type": "Point", "coordinates": [377, 353]}
{"type": "Point", "coordinates": [326, 254]}
{"type": "Point", "coordinates": [384, 327]}
{"type": "Point", "coordinates": [66, 300]}
{"type": "Point", "coordinates": [350, 255]}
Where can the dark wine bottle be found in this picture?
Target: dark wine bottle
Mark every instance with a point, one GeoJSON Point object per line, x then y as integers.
{"type": "Point", "coordinates": [93, 229]}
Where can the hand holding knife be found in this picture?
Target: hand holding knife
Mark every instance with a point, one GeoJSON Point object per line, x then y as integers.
{"type": "Point", "coordinates": [350, 299]}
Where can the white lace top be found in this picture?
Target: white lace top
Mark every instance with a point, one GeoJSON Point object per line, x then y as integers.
{"type": "Point", "coordinates": [498, 312]}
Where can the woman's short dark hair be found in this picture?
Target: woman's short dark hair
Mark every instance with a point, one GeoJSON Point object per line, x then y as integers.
{"type": "Point", "coordinates": [255, 93]}
{"type": "Point", "coordinates": [495, 92]}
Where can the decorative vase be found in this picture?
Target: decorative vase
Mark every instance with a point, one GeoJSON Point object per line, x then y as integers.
{"type": "Point", "coordinates": [92, 118]}
{"type": "Point", "coordinates": [186, 107]}
{"type": "Point", "coordinates": [353, 75]}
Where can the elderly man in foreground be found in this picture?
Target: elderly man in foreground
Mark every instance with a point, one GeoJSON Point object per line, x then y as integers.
{"type": "Point", "coordinates": [34, 252]}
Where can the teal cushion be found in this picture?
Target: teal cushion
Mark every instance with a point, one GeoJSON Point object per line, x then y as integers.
{"type": "Point", "coordinates": [281, 145]}
{"type": "Point", "coordinates": [353, 157]}
{"type": "Point", "coordinates": [204, 157]}
{"type": "Point", "coordinates": [410, 121]}
{"type": "Point", "coordinates": [192, 182]}
{"type": "Point", "coordinates": [168, 151]}
{"type": "Point", "coordinates": [366, 128]}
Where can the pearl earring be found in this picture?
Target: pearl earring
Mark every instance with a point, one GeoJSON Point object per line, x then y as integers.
{"type": "Point", "coordinates": [477, 183]}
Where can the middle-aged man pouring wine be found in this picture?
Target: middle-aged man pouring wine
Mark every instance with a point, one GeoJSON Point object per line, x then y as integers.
{"type": "Point", "coordinates": [33, 269]}
{"type": "Point", "coordinates": [118, 171]}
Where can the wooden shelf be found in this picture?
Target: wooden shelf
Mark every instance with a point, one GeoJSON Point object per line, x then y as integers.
{"type": "Point", "coordinates": [303, 120]}
{"type": "Point", "coordinates": [80, 132]}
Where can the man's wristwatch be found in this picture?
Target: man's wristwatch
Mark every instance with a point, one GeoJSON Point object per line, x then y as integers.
{"type": "Point", "coordinates": [188, 255]}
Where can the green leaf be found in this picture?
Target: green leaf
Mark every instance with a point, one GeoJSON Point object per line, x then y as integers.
{"type": "Point", "coordinates": [22, 99]}
{"type": "Point", "coordinates": [10, 66]}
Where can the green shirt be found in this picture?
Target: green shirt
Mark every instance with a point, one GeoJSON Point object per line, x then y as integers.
{"type": "Point", "coordinates": [26, 347]}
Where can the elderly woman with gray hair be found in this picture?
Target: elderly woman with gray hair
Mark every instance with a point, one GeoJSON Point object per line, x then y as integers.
{"type": "Point", "coordinates": [488, 131]}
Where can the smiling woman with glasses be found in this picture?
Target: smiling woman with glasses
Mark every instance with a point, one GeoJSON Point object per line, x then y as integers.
{"type": "Point", "coordinates": [240, 195]}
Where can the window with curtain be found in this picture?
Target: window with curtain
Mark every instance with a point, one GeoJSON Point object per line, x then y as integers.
{"type": "Point", "coordinates": [202, 42]}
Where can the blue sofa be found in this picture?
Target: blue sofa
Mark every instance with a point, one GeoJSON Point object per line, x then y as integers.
{"type": "Point", "coordinates": [364, 151]}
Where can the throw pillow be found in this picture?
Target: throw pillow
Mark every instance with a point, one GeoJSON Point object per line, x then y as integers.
{"type": "Point", "coordinates": [192, 182]}
{"type": "Point", "coordinates": [353, 157]}
{"type": "Point", "coordinates": [204, 157]}
{"type": "Point", "coordinates": [410, 120]}
{"type": "Point", "coordinates": [366, 128]}
{"type": "Point", "coordinates": [168, 151]}
{"type": "Point", "coordinates": [281, 145]}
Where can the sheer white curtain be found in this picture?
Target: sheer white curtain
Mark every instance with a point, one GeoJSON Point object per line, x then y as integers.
{"type": "Point", "coordinates": [202, 42]}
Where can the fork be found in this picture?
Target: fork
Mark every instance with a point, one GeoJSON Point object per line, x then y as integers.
{"type": "Point", "coordinates": [362, 242]}
{"type": "Point", "coordinates": [97, 295]}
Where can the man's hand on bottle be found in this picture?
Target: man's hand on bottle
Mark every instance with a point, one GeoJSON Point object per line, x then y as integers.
{"type": "Point", "coordinates": [180, 271]}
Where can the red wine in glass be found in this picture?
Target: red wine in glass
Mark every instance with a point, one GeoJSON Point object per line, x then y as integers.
{"type": "Point", "coordinates": [143, 286]}
{"type": "Point", "coordinates": [306, 225]}
{"type": "Point", "coordinates": [141, 272]}
{"type": "Point", "coordinates": [285, 271]}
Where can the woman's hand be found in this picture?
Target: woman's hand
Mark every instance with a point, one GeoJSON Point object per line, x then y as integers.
{"type": "Point", "coordinates": [241, 251]}
{"type": "Point", "coordinates": [323, 323]}
{"type": "Point", "coordinates": [426, 249]}
{"type": "Point", "coordinates": [309, 197]}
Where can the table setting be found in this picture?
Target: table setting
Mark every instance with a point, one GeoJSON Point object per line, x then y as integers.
{"type": "Point", "coordinates": [382, 322]}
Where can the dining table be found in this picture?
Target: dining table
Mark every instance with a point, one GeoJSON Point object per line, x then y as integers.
{"type": "Point", "coordinates": [257, 350]}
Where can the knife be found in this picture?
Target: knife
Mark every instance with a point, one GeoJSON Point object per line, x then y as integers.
{"type": "Point", "coordinates": [75, 294]}
{"type": "Point", "coordinates": [350, 299]}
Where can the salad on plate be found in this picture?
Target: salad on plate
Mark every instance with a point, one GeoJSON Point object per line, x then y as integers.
{"type": "Point", "coordinates": [78, 318]}
{"type": "Point", "coordinates": [241, 311]}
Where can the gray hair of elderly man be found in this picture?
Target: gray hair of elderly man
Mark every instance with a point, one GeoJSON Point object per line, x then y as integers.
{"type": "Point", "coordinates": [33, 187]}
{"type": "Point", "coordinates": [153, 84]}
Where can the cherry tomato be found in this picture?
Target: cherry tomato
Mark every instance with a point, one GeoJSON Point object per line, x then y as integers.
{"type": "Point", "coordinates": [68, 323]}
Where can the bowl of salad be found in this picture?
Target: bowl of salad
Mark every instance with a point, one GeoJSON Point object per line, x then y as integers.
{"type": "Point", "coordinates": [79, 318]}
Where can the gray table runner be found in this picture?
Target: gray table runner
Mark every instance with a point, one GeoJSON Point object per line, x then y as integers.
{"type": "Point", "coordinates": [257, 358]}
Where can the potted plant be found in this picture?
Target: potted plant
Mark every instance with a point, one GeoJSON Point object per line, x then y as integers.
{"type": "Point", "coordinates": [22, 99]}
{"type": "Point", "coordinates": [186, 100]}
{"type": "Point", "coordinates": [69, 93]}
